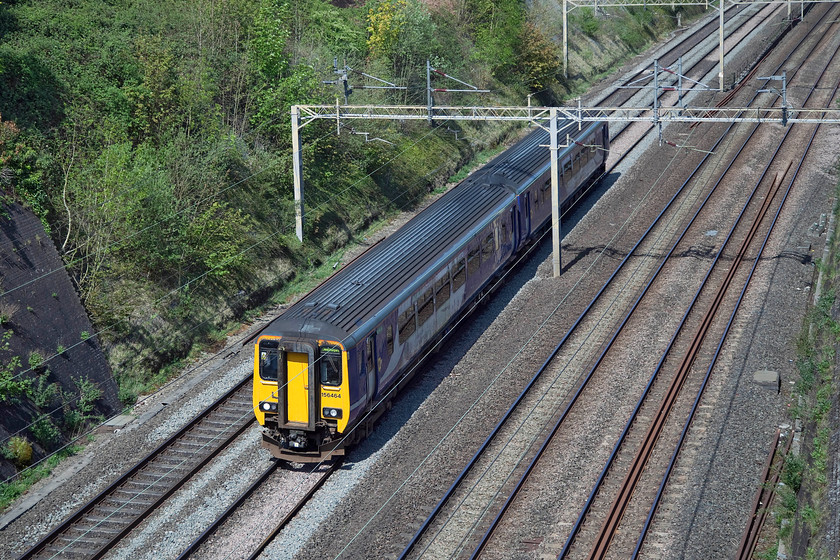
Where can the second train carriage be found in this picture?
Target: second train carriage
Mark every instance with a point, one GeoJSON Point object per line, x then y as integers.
{"type": "Point", "coordinates": [328, 361]}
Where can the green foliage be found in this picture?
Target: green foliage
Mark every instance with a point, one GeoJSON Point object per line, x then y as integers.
{"type": "Point", "coordinates": [45, 432]}
{"type": "Point", "coordinates": [386, 20]}
{"type": "Point", "coordinates": [215, 239]}
{"type": "Point", "coordinates": [11, 384]}
{"type": "Point", "coordinates": [496, 27]}
{"type": "Point", "coordinates": [276, 84]}
{"type": "Point", "coordinates": [18, 450]}
{"type": "Point", "coordinates": [35, 359]}
{"type": "Point", "coordinates": [792, 472]}
{"type": "Point", "coordinates": [585, 17]}
{"type": "Point", "coordinates": [10, 491]}
{"type": "Point", "coordinates": [78, 407]}
{"type": "Point", "coordinates": [41, 391]}
{"type": "Point", "coordinates": [30, 93]}
{"type": "Point", "coordinates": [538, 59]}
{"type": "Point", "coordinates": [331, 28]}
{"type": "Point", "coordinates": [7, 311]}
{"type": "Point", "coordinates": [89, 393]}
{"type": "Point", "coordinates": [155, 99]}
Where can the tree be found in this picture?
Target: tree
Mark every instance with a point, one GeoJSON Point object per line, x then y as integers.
{"type": "Point", "coordinates": [538, 58]}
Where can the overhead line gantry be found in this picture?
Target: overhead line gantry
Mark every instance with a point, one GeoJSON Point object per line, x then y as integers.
{"type": "Point", "coordinates": [305, 114]}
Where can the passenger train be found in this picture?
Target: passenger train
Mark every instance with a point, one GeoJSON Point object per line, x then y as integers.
{"type": "Point", "coordinates": [326, 367]}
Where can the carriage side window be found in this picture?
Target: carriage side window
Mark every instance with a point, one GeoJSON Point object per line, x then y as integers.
{"type": "Point", "coordinates": [406, 324]}
{"type": "Point", "coordinates": [473, 261]}
{"type": "Point", "coordinates": [576, 166]}
{"type": "Point", "coordinates": [369, 353]}
{"type": "Point", "coordinates": [487, 248]}
{"type": "Point", "coordinates": [567, 171]}
{"type": "Point", "coordinates": [425, 307]}
{"type": "Point", "coordinates": [330, 366]}
{"type": "Point", "coordinates": [442, 290]}
{"type": "Point", "coordinates": [460, 276]}
{"type": "Point", "coordinates": [270, 360]}
{"type": "Point", "coordinates": [389, 339]}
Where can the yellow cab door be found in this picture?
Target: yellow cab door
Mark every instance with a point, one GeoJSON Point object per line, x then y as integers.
{"type": "Point", "coordinates": [297, 387]}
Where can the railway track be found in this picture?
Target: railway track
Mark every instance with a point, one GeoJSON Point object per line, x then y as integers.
{"type": "Point", "coordinates": [434, 538]}
{"type": "Point", "coordinates": [626, 137]}
{"type": "Point", "coordinates": [272, 499]}
{"type": "Point", "coordinates": [88, 534]}
{"type": "Point", "coordinates": [613, 515]}
{"type": "Point", "coordinates": [764, 496]}
{"type": "Point", "coordinates": [97, 526]}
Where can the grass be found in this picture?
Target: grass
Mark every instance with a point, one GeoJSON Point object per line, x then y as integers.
{"type": "Point", "coordinates": [812, 403]}
{"type": "Point", "coordinates": [10, 491]}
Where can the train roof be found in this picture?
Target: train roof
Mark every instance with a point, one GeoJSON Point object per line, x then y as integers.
{"type": "Point", "coordinates": [354, 294]}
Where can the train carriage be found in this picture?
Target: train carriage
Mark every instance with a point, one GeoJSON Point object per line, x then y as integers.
{"type": "Point", "coordinates": [328, 364]}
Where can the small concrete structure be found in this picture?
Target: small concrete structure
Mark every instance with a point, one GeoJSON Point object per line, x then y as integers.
{"type": "Point", "coordinates": [768, 378]}
{"type": "Point", "coordinates": [119, 422]}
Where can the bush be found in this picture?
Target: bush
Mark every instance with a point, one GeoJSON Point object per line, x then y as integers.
{"type": "Point", "coordinates": [41, 391]}
{"type": "Point", "coordinates": [588, 22]}
{"type": "Point", "coordinates": [19, 451]}
{"type": "Point", "coordinates": [35, 359]}
{"type": "Point", "coordinates": [45, 432]}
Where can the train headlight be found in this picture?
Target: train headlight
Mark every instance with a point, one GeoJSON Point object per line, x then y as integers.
{"type": "Point", "coordinates": [268, 406]}
{"type": "Point", "coordinates": [333, 413]}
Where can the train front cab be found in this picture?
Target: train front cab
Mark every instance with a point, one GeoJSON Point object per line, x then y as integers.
{"type": "Point", "coordinates": [301, 396]}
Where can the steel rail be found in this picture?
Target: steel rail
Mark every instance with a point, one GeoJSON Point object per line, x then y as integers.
{"type": "Point", "coordinates": [90, 508]}
{"type": "Point", "coordinates": [288, 517]}
{"type": "Point", "coordinates": [424, 527]}
{"type": "Point", "coordinates": [601, 357]}
{"type": "Point", "coordinates": [667, 474]}
{"type": "Point", "coordinates": [644, 452]}
{"type": "Point", "coordinates": [427, 523]}
{"type": "Point", "coordinates": [763, 498]}
{"type": "Point", "coordinates": [193, 546]}
{"type": "Point", "coordinates": [539, 372]}
{"type": "Point", "coordinates": [612, 340]}
{"type": "Point", "coordinates": [522, 480]}
{"type": "Point", "coordinates": [588, 504]}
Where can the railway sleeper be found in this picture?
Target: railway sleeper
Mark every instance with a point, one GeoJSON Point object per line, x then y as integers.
{"type": "Point", "coordinates": [168, 462]}
{"type": "Point", "coordinates": [92, 529]}
{"type": "Point", "coordinates": [184, 456]}
{"type": "Point", "coordinates": [185, 460]}
{"type": "Point", "coordinates": [54, 551]}
{"type": "Point", "coordinates": [221, 427]}
{"type": "Point", "coordinates": [189, 442]}
{"type": "Point", "coordinates": [111, 522]}
{"type": "Point", "coordinates": [83, 539]}
{"type": "Point", "coordinates": [228, 418]}
{"type": "Point", "coordinates": [141, 495]}
{"type": "Point", "coordinates": [204, 436]}
{"type": "Point", "coordinates": [133, 507]}
{"type": "Point", "coordinates": [160, 482]}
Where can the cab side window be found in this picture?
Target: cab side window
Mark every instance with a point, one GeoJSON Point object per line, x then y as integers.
{"type": "Point", "coordinates": [271, 360]}
{"type": "Point", "coordinates": [330, 366]}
